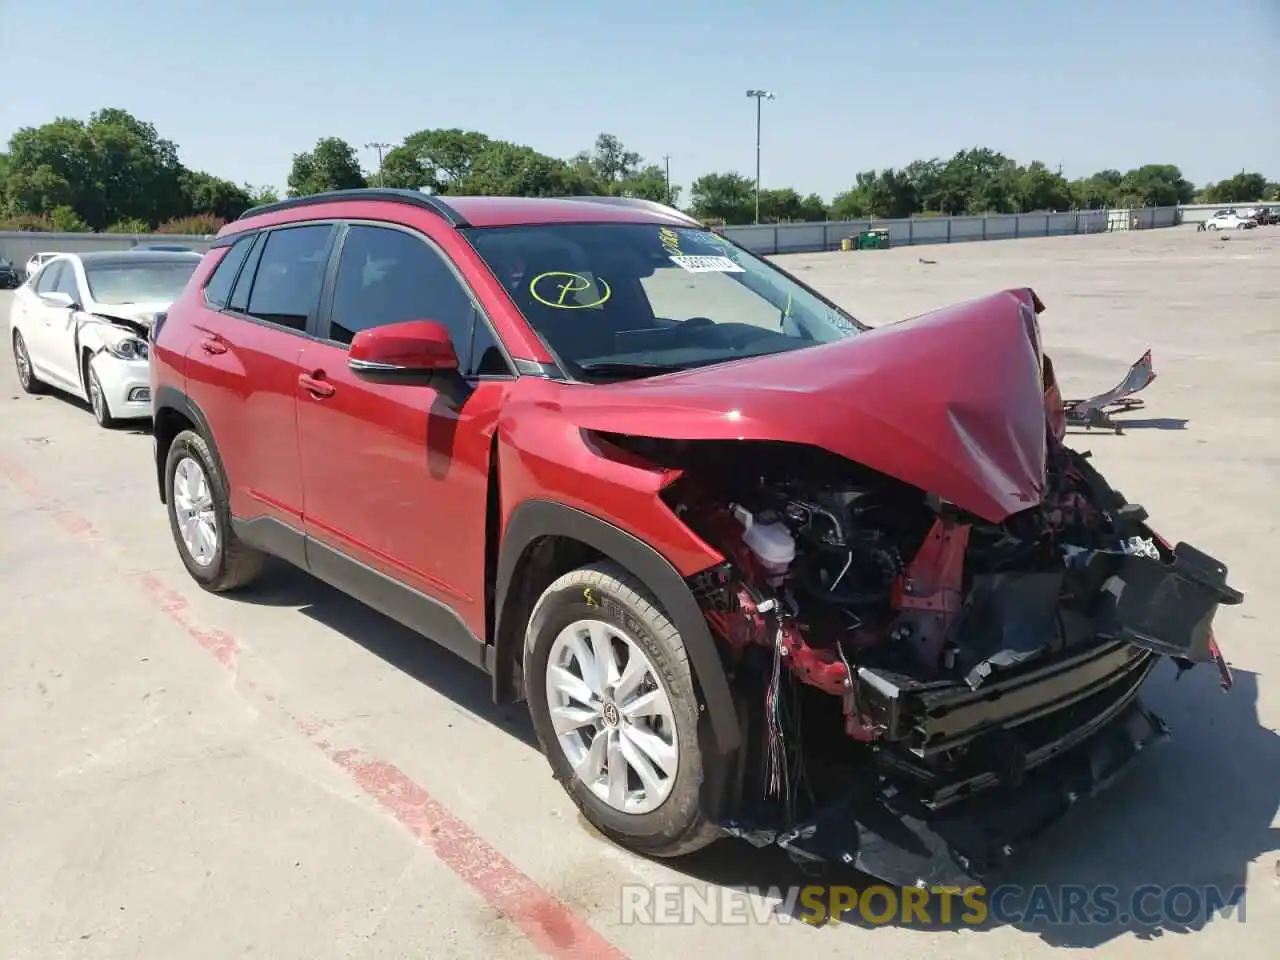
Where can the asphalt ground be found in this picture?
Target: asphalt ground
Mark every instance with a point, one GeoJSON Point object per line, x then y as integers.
{"type": "Point", "coordinates": [285, 774]}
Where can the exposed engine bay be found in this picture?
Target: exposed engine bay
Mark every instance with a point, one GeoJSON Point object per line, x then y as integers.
{"type": "Point", "coordinates": [871, 627]}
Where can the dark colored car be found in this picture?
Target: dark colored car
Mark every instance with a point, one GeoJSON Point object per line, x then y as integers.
{"type": "Point", "coordinates": [9, 276]}
{"type": "Point", "coordinates": [170, 247]}
{"type": "Point", "coordinates": [1269, 216]}
{"type": "Point", "coordinates": [756, 569]}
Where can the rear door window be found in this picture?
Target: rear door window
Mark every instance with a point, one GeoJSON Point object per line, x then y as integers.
{"type": "Point", "coordinates": [289, 275]}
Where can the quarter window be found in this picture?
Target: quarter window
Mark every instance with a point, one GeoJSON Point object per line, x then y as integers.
{"type": "Point", "coordinates": [286, 285]}
{"type": "Point", "coordinates": [388, 276]}
{"type": "Point", "coordinates": [218, 290]}
{"type": "Point", "coordinates": [47, 279]}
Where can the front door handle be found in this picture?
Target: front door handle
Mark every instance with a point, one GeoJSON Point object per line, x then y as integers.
{"type": "Point", "coordinates": [213, 345]}
{"type": "Point", "coordinates": [316, 386]}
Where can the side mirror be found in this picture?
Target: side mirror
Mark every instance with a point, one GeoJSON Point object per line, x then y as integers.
{"type": "Point", "coordinates": [59, 299]}
{"type": "Point", "coordinates": [408, 352]}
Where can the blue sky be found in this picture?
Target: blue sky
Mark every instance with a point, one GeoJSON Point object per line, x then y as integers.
{"type": "Point", "coordinates": [241, 85]}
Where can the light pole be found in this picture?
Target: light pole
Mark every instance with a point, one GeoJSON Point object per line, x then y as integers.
{"type": "Point", "coordinates": [379, 147]}
{"type": "Point", "coordinates": [760, 97]}
{"type": "Point", "coordinates": [666, 159]}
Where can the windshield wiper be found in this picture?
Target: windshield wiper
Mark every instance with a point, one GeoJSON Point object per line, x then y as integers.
{"type": "Point", "coordinates": [611, 368]}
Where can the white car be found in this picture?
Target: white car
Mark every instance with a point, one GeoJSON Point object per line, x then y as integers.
{"type": "Point", "coordinates": [36, 262]}
{"type": "Point", "coordinates": [1229, 220]}
{"type": "Point", "coordinates": [80, 325]}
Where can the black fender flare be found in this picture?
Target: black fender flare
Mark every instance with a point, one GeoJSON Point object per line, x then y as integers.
{"type": "Point", "coordinates": [168, 397]}
{"type": "Point", "coordinates": [539, 518]}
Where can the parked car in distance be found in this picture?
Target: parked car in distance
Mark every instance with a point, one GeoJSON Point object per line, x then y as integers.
{"type": "Point", "coordinates": [694, 513]}
{"type": "Point", "coordinates": [1269, 216]}
{"type": "Point", "coordinates": [9, 277]}
{"type": "Point", "coordinates": [35, 261]}
{"type": "Point", "coordinates": [80, 326]}
{"type": "Point", "coordinates": [1229, 220]}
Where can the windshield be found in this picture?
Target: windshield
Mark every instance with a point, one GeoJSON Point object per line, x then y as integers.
{"type": "Point", "coordinates": [119, 283]}
{"type": "Point", "coordinates": [625, 299]}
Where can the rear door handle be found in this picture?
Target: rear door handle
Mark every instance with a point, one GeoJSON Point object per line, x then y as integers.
{"type": "Point", "coordinates": [315, 385]}
{"type": "Point", "coordinates": [213, 345]}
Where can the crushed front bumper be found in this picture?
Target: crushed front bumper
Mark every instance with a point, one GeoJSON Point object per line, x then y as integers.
{"type": "Point", "coordinates": [881, 832]}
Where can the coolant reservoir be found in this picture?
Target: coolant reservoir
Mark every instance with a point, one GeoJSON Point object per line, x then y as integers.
{"type": "Point", "coordinates": [771, 543]}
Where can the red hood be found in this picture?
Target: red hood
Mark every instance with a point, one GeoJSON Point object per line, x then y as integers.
{"type": "Point", "coordinates": [951, 402]}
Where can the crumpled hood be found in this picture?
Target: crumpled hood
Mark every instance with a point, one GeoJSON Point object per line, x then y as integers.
{"type": "Point", "coordinates": [142, 314]}
{"type": "Point", "coordinates": [951, 402]}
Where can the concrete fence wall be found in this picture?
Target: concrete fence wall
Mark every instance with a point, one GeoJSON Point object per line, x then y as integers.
{"type": "Point", "coordinates": [771, 238]}
{"type": "Point", "coordinates": [17, 247]}
{"type": "Point", "coordinates": [767, 239]}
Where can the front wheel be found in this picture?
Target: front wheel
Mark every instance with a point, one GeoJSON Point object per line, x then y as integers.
{"type": "Point", "coordinates": [611, 693]}
{"type": "Point", "coordinates": [98, 400]}
{"type": "Point", "coordinates": [22, 360]}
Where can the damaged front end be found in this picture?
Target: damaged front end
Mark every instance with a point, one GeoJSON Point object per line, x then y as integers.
{"type": "Point", "coordinates": [923, 690]}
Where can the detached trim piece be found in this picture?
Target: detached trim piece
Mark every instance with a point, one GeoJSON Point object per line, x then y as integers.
{"type": "Point", "coordinates": [411, 198]}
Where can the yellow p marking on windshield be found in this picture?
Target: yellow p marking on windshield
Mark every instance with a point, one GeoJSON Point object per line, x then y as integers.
{"type": "Point", "coordinates": [553, 288]}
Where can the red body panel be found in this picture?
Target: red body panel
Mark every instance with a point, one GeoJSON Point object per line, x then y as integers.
{"type": "Point", "coordinates": [544, 456]}
{"type": "Point", "coordinates": [951, 402]}
{"type": "Point", "coordinates": [397, 478]}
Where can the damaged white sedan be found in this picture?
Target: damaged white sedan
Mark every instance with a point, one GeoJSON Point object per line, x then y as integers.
{"type": "Point", "coordinates": [80, 326]}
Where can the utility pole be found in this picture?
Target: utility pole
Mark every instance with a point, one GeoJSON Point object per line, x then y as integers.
{"type": "Point", "coordinates": [666, 159]}
{"type": "Point", "coordinates": [379, 147]}
{"type": "Point", "coordinates": [760, 96]}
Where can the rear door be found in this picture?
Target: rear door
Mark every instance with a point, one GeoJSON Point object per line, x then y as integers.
{"type": "Point", "coordinates": [395, 475]}
{"type": "Point", "coordinates": [242, 370]}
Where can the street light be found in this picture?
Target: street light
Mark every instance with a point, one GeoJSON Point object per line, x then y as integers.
{"type": "Point", "coordinates": [760, 96]}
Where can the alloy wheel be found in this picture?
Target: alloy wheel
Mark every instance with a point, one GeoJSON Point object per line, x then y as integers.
{"type": "Point", "coordinates": [612, 716]}
{"type": "Point", "coordinates": [22, 360]}
{"type": "Point", "coordinates": [193, 509]}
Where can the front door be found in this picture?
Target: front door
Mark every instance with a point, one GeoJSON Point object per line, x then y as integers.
{"type": "Point", "coordinates": [395, 475]}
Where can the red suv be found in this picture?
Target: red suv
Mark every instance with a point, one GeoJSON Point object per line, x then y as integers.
{"type": "Point", "coordinates": [756, 568]}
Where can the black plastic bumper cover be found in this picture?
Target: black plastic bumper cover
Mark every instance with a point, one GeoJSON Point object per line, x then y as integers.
{"type": "Point", "coordinates": [895, 841]}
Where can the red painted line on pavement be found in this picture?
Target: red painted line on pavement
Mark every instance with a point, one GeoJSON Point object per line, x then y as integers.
{"type": "Point", "coordinates": [552, 927]}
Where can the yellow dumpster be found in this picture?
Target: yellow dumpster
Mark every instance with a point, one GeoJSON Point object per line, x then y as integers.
{"type": "Point", "coordinates": [846, 244]}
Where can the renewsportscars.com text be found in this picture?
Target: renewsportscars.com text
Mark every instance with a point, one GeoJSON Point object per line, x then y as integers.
{"type": "Point", "coordinates": [1150, 905]}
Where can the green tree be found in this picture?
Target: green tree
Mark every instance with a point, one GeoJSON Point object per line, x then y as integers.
{"type": "Point", "coordinates": [213, 195]}
{"type": "Point", "coordinates": [609, 163]}
{"type": "Point", "coordinates": [439, 160]}
{"type": "Point", "coordinates": [331, 164]}
{"type": "Point", "coordinates": [260, 195]}
{"type": "Point", "coordinates": [509, 169]}
{"type": "Point", "coordinates": [650, 183]}
{"type": "Point", "coordinates": [1242, 188]}
{"type": "Point", "coordinates": [724, 197]}
{"type": "Point", "coordinates": [1041, 189]}
{"type": "Point", "coordinates": [1098, 191]}
{"type": "Point", "coordinates": [785, 205]}
{"type": "Point", "coordinates": [925, 179]}
{"type": "Point", "coordinates": [114, 167]}
{"type": "Point", "coordinates": [1154, 185]}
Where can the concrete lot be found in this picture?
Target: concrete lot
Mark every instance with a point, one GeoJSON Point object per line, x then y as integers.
{"type": "Point", "coordinates": [287, 775]}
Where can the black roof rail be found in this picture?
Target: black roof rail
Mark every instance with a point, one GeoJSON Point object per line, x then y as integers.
{"type": "Point", "coordinates": [651, 205]}
{"type": "Point", "coordinates": [413, 198]}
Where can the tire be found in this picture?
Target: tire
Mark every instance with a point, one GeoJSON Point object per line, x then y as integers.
{"type": "Point", "coordinates": [98, 399]}
{"type": "Point", "coordinates": [230, 563]}
{"type": "Point", "coordinates": [665, 822]}
{"type": "Point", "coordinates": [27, 378]}
{"type": "Point", "coordinates": [1212, 226]}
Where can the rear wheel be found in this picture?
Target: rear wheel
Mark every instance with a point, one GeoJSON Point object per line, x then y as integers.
{"type": "Point", "coordinates": [200, 518]}
{"type": "Point", "coordinates": [22, 360]}
{"type": "Point", "coordinates": [612, 698]}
